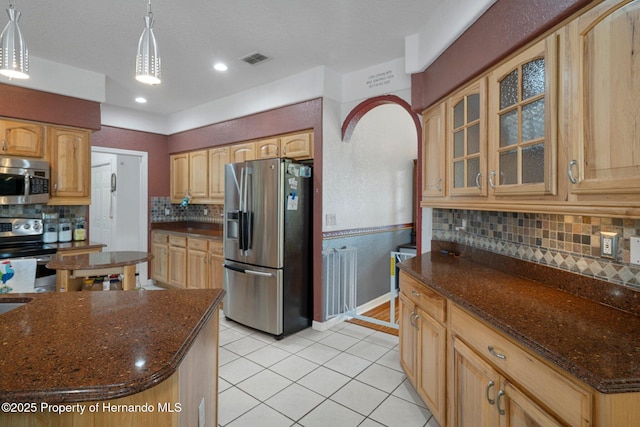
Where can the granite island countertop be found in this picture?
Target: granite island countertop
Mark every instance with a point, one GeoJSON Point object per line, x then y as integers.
{"type": "Point", "coordinates": [596, 343]}
{"type": "Point", "coordinates": [90, 346]}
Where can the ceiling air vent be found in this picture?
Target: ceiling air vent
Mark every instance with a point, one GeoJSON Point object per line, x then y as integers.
{"type": "Point", "coordinates": [254, 58]}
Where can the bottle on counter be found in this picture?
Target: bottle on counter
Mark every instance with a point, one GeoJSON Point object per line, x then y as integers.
{"type": "Point", "coordinates": [50, 228]}
{"type": "Point", "coordinates": [79, 229]}
{"type": "Point", "coordinates": [64, 230]}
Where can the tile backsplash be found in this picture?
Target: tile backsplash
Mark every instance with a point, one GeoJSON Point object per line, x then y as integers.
{"type": "Point", "coordinates": [162, 210]}
{"type": "Point", "coordinates": [36, 211]}
{"type": "Point", "coordinates": [568, 242]}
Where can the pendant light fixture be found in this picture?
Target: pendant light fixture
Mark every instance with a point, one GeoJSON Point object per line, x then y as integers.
{"type": "Point", "coordinates": [148, 60]}
{"type": "Point", "coordinates": [14, 55]}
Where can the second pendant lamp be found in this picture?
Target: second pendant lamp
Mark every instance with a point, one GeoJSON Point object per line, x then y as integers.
{"type": "Point", "coordinates": [147, 59]}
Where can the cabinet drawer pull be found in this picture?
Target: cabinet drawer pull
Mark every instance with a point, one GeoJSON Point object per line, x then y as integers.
{"type": "Point", "coordinates": [492, 184]}
{"type": "Point", "coordinates": [572, 178]}
{"type": "Point", "coordinates": [415, 293]}
{"type": "Point", "coordinates": [489, 387]}
{"type": "Point", "coordinates": [496, 354]}
{"type": "Point", "coordinates": [498, 399]}
{"type": "Point", "coordinates": [415, 322]}
{"type": "Point", "coordinates": [478, 183]}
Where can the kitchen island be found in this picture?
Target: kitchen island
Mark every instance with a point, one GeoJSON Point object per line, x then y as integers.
{"type": "Point", "coordinates": [505, 333]}
{"type": "Point", "coordinates": [110, 358]}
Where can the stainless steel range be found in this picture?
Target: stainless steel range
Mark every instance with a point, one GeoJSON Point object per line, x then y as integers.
{"type": "Point", "coordinates": [21, 238]}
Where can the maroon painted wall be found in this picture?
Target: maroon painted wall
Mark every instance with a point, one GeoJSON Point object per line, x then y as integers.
{"type": "Point", "coordinates": [502, 29]}
{"type": "Point", "coordinates": [28, 104]}
{"type": "Point", "coordinates": [154, 144]}
{"type": "Point", "coordinates": [290, 118]}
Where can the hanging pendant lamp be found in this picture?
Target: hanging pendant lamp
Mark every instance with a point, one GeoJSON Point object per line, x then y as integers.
{"type": "Point", "coordinates": [14, 55]}
{"type": "Point", "coordinates": [148, 60]}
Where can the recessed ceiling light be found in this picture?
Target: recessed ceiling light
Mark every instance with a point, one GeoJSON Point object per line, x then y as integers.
{"type": "Point", "coordinates": [141, 100]}
{"type": "Point", "coordinates": [219, 66]}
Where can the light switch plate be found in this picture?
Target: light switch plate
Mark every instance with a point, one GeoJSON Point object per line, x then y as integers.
{"type": "Point", "coordinates": [634, 248]}
{"type": "Point", "coordinates": [608, 244]}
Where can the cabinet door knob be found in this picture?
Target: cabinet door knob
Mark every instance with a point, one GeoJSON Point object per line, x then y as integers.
{"type": "Point", "coordinates": [491, 182]}
{"type": "Point", "coordinates": [496, 354]}
{"type": "Point", "coordinates": [489, 387]}
{"type": "Point", "coordinates": [572, 178]}
{"type": "Point", "coordinates": [4, 145]}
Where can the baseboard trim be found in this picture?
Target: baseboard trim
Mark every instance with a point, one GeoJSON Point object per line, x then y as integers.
{"type": "Point", "coordinates": [328, 324]}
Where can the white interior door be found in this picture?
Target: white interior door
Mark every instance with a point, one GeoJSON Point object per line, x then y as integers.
{"type": "Point", "coordinates": [119, 201]}
{"type": "Point", "coordinates": [102, 218]}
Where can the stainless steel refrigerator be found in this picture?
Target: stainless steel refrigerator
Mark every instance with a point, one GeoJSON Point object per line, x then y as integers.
{"type": "Point", "coordinates": [267, 241]}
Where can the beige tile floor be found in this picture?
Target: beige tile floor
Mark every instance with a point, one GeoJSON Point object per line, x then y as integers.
{"type": "Point", "coordinates": [347, 376]}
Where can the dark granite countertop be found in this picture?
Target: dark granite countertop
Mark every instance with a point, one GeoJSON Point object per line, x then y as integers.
{"type": "Point", "coordinates": [596, 343]}
{"type": "Point", "coordinates": [91, 346]}
{"type": "Point", "coordinates": [76, 245]}
{"type": "Point", "coordinates": [198, 229]}
{"type": "Point", "coordinates": [98, 260]}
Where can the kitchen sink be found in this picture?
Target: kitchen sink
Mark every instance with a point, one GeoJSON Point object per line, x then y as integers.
{"type": "Point", "coordinates": [8, 306]}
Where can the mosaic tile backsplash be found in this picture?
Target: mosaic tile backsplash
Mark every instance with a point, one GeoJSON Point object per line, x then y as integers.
{"type": "Point", "coordinates": [162, 210]}
{"type": "Point", "coordinates": [568, 242]}
{"type": "Point", "coordinates": [36, 211]}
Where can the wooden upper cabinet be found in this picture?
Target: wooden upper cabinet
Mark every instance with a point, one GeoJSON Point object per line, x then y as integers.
{"type": "Point", "coordinates": [605, 98]}
{"type": "Point", "coordinates": [199, 174]}
{"type": "Point", "coordinates": [242, 152]}
{"type": "Point", "coordinates": [523, 118]}
{"type": "Point", "coordinates": [295, 146]}
{"type": "Point", "coordinates": [466, 140]}
{"type": "Point", "coordinates": [298, 146]}
{"type": "Point", "coordinates": [179, 171]}
{"type": "Point", "coordinates": [218, 157]}
{"type": "Point", "coordinates": [433, 152]}
{"type": "Point", "coordinates": [69, 155]}
{"type": "Point", "coordinates": [268, 148]}
{"type": "Point", "coordinates": [21, 138]}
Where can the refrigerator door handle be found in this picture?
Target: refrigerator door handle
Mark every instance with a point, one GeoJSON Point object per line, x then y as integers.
{"type": "Point", "coordinates": [258, 273]}
{"type": "Point", "coordinates": [245, 271]}
{"type": "Point", "coordinates": [238, 269]}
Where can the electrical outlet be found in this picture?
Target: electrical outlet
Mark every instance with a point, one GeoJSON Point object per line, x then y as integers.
{"type": "Point", "coordinates": [167, 212]}
{"type": "Point", "coordinates": [463, 227]}
{"type": "Point", "coordinates": [634, 248]}
{"type": "Point", "coordinates": [201, 418]}
{"type": "Point", "coordinates": [331, 219]}
{"type": "Point", "coordinates": [608, 244]}
{"type": "Point", "coordinates": [206, 211]}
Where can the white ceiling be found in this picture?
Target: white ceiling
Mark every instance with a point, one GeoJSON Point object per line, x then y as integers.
{"type": "Point", "coordinates": [298, 35]}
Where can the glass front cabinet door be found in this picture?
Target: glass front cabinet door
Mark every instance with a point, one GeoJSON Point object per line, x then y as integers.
{"type": "Point", "coordinates": [523, 122]}
{"type": "Point", "coordinates": [467, 141]}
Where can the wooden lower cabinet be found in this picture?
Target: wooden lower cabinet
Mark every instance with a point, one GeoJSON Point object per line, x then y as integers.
{"type": "Point", "coordinates": [535, 390]}
{"type": "Point", "coordinates": [423, 345]}
{"type": "Point", "coordinates": [177, 261]}
{"type": "Point", "coordinates": [216, 261]}
{"type": "Point", "coordinates": [189, 262]}
{"type": "Point", "coordinates": [197, 263]}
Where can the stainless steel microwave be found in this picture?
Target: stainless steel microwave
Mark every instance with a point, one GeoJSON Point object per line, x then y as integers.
{"type": "Point", "coordinates": [23, 181]}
